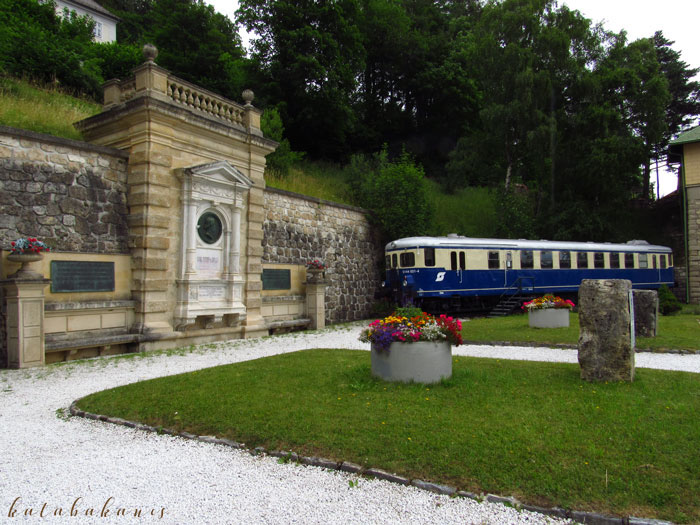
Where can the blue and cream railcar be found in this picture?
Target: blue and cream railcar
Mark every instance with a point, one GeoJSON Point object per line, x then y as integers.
{"type": "Point", "coordinates": [456, 272]}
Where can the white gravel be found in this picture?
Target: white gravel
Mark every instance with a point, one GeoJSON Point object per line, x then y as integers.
{"type": "Point", "coordinates": [49, 462]}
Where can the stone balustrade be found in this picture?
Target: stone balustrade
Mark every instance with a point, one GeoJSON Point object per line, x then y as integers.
{"type": "Point", "coordinates": [189, 95]}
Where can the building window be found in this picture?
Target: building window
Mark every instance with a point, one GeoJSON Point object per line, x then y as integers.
{"type": "Point", "coordinates": [599, 260]}
{"type": "Point", "coordinates": [614, 260]}
{"type": "Point", "coordinates": [546, 260]}
{"type": "Point", "coordinates": [97, 32]}
{"type": "Point", "coordinates": [429, 256]}
{"type": "Point", "coordinates": [408, 260]}
{"type": "Point", "coordinates": [643, 260]}
{"type": "Point", "coordinates": [494, 261]}
{"type": "Point", "coordinates": [527, 259]}
{"type": "Point", "coordinates": [582, 259]}
{"type": "Point", "coordinates": [564, 259]}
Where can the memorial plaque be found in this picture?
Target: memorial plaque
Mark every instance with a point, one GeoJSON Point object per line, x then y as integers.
{"type": "Point", "coordinates": [212, 292]}
{"type": "Point", "coordinates": [276, 279]}
{"type": "Point", "coordinates": [82, 276]}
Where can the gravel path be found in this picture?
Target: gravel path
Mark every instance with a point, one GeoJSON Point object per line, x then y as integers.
{"type": "Point", "coordinates": [48, 461]}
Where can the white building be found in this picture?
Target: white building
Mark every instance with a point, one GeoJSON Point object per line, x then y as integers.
{"type": "Point", "coordinates": [105, 22]}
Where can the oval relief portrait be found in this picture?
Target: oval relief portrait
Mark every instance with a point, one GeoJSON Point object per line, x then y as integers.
{"type": "Point", "coordinates": [209, 227]}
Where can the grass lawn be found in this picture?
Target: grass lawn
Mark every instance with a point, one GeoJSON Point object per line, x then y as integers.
{"type": "Point", "coordinates": [533, 430]}
{"type": "Point", "coordinates": [679, 332]}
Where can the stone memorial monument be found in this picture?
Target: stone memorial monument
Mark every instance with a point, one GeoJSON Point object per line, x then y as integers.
{"type": "Point", "coordinates": [606, 316]}
{"type": "Point", "coordinates": [646, 313]}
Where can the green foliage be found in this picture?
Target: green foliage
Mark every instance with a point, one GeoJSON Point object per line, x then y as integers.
{"type": "Point", "coordinates": [280, 162]}
{"type": "Point", "coordinates": [408, 311]}
{"type": "Point", "coordinates": [468, 211]}
{"type": "Point", "coordinates": [395, 193]}
{"type": "Point", "coordinates": [36, 42]}
{"type": "Point", "coordinates": [44, 110]}
{"type": "Point", "coordinates": [668, 302]}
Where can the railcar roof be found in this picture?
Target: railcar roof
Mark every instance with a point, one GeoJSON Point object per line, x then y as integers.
{"type": "Point", "coordinates": [520, 244]}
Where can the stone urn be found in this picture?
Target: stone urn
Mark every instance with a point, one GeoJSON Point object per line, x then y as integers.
{"type": "Point", "coordinates": [315, 275]}
{"type": "Point", "coordinates": [548, 318]}
{"type": "Point", "coordinates": [418, 362]}
{"type": "Point", "coordinates": [25, 259]}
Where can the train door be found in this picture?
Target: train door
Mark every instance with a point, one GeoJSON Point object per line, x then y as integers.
{"type": "Point", "coordinates": [509, 266]}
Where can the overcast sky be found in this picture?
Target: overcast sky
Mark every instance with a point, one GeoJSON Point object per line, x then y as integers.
{"type": "Point", "coordinates": [678, 19]}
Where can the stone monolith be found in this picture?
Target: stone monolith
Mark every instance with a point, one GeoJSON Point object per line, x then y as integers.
{"type": "Point", "coordinates": [605, 349]}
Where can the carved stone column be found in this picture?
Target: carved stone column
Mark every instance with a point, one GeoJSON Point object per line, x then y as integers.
{"type": "Point", "coordinates": [316, 299]}
{"type": "Point", "coordinates": [24, 301]}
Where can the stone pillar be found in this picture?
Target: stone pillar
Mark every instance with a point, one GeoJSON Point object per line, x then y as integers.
{"type": "Point", "coordinates": [605, 347]}
{"type": "Point", "coordinates": [316, 299]}
{"type": "Point", "coordinates": [24, 306]}
{"type": "Point", "coordinates": [646, 313]}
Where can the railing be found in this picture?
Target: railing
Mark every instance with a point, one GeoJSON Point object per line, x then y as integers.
{"type": "Point", "coordinates": [199, 99]}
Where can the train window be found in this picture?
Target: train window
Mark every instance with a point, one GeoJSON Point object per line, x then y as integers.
{"type": "Point", "coordinates": [582, 259]}
{"type": "Point", "coordinates": [453, 260]}
{"type": "Point", "coordinates": [394, 261]}
{"type": "Point", "coordinates": [408, 259]}
{"type": "Point", "coordinates": [643, 260]}
{"type": "Point", "coordinates": [670, 260]}
{"type": "Point", "coordinates": [429, 255]}
{"type": "Point", "coordinates": [462, 261]}
{"type": "Point", "coordinates": [629, 260]}
{"type": "Point", "coordinates": [546, 260]}
{"type": "Point", "coordinates": [662, 261]}
{"type": "Point", "coordinates": [388, 261]}
{"type": "Point", "coordinates": [653, 262]}
{"type": "Point", "coordinates": [527, 259]}
{"type": "Point", "coordinates": [494, 261]}
{"type": "Point", "coordinates": [614, 260]}
{"type": "Point", "coordinates": [564, 259]}
{"type": "Point", "coordinates": [599, 260]}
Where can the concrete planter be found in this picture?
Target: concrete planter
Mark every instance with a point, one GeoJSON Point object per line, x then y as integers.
{"type": "Point", "coordinates": [420, 362]}
{"type": "Point", "coordinates": [549, 318]}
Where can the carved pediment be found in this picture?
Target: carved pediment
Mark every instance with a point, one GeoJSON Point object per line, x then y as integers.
{"type": "Point", "coordinates": [221, 173]}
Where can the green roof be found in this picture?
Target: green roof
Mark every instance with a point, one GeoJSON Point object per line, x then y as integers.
{"type": "Point", "coordinates": [692, 135]}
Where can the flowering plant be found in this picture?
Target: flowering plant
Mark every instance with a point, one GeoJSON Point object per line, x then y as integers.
{"type": "Point", "coordinates": [28, 245]}
{"type": "Point", "coordinates": [548, 301]}
{"type": "Point", "coordinates": [424, 327]}
{"type": "Point", "coordinates": [315, 265]}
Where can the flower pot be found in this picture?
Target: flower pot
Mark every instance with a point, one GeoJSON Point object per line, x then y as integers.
{"type": "Point", "coordinates": [25, 259]}
{"type": "Point", "coordinates": [549, 318]}
{"type": "Point", "coordinates": [419, 362]}
{"type": "Point", "coordinates": [315, 275]}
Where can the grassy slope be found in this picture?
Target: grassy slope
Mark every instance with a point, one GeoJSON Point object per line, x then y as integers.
{"type": "Point", "coordinates": [534, 430]}
{"type": "Point", "coordinates": [25, 106]}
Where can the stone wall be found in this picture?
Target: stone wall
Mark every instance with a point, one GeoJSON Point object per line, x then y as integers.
{"type": "Point", "coordinates": [693, 193]}
{"type": "Point", "coordinates": [298, 229]}
{"type": "Point", "coordinates": [68, 193]}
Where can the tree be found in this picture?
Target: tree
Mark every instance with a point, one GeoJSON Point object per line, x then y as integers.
{"type": "Point", "coordinates": [395, 192]}
{"type": "Point", "coordinates": [38, 43]}
{"type": "Point", "coordinates": [310, 54]}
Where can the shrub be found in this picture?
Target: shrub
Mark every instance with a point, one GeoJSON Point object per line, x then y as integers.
{"type": "Point", "coordinates": [668, 302]}
{"type": "Point", "coordinates": [396, 192]}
